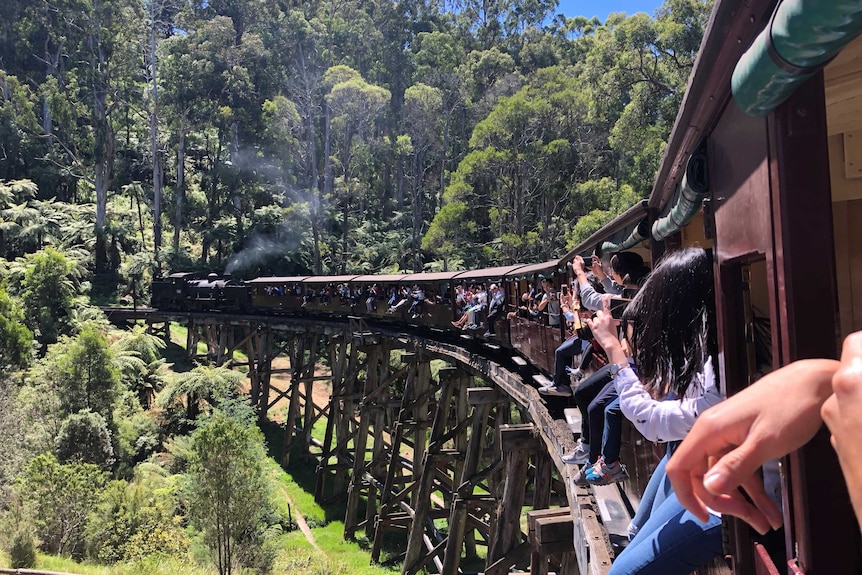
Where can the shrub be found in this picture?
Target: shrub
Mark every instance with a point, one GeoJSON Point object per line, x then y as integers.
{"type": "Point", "coordinates": [84, 437]}
{"type": "Point", "coordinates": [22, 552]}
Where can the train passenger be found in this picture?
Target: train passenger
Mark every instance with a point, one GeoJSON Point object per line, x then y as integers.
{"type": "Point", "coordinates": [549, 304]}
{"type": "Point", "coordinates": [673, 344]}
{"type": "Point", "coordinates": [371, 296]}
{"type": "Point", "coordinates": [477, 303]}
{"type": "Point", "coordinates": [402, 297]}
{"type": "Point", "coordinates": [417, 296]}
{"type": "Point", "coordinates": [523, 309]}
{"type": "Point", "coordinates": [625, 266]}
{"type": "Point", "coordinates": [495, 308]}
{"type": "Point", "coordinates": [772, 417]}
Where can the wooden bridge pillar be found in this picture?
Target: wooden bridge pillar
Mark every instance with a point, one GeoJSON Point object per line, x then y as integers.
{"type": "Point", "coordinates": [340, 427]}
{"type": "Point", "coordinates": [416, 558]}
{"type": "Point", "coordinates": [302, 364]}
{"type": "Point", "coordinates": [410, 431]}
{"type": "Point", "coordinates": [517, 443]}
{"type": "Point", "coordinates": [482, 399]}
{"type": "Point", "coordinates": [376, 369]}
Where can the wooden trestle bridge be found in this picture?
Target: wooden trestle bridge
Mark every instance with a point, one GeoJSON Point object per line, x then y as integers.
{"type": "Point", "coordinates": [450, 460]}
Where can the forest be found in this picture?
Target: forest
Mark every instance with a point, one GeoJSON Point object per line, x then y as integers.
{"type": "Point", "coordinates": [261, 137]}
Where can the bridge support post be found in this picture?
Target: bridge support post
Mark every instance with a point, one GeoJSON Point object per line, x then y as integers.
{"type": "Point", "coordinates": [414, 559]}
{"type": "Point", "coordinates": [302, 367]}
{"type": "Point", "coordinates": [409, 430]}
{"type": "Point", "coordinates": [517, 442]}
{"type": "Point", "coordinates": [371, 390]}
{"type": "Point", "coordinates": [482, 399]}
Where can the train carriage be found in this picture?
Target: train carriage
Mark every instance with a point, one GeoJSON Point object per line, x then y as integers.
{"type": "Point", "coordinates": [436, 290]}
{"type": "Point", "coordinates": [277, 294]}
{"type": "Point", "coordinates": [379, 288]}
{"type": "Point", "coordinates": [330, 294]}
{"type": "Point", "coordinates": [529, 332]}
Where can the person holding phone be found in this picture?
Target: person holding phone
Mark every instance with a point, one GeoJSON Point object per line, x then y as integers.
{"type": "Point", "coordinates": [672, 340]}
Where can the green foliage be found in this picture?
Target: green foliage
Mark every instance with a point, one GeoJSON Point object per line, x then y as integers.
{"type": "Point", "coordinates": [137, 435]}
{"type": "Point", "coordinates": [137, 354]}
{"type": "Point", "coordinates": [207, 385]}
{"type": "Point", "coordinates": [84, 438]}
{"type": "Point", "coordinates": [228, 493]}
{"type": "Point", "coordinates": [22, 552]}
{"type": "Point", "coordinates": [47, 295]}
{"type": "Point", "coordinates": [15, 339]}
{"type": "Point", "coordinates": [87, 375]}
{"type": "Point", "coordinates": [60, 496]}
{"type": "Point", "coordinates": [135, 520]}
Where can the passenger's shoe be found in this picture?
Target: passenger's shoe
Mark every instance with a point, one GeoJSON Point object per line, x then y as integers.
{"type": "Point", "coordinates": [606, 473]}
{"type": "Point", "coordinates": [580, 478]}
{"type": "Point", "coordinates": [487, 334]}
{"type": "Point", "coordinates": [575, 374]}
{"type": "Point", "coordinates": [557, 391]}
{"type": "Point", "coordinates": [580, 455]}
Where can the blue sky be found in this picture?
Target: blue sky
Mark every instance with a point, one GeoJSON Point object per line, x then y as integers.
{"type": "Point", "coordinates": [602, 8]}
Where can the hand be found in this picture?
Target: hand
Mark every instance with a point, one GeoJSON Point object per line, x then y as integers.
{"type": "Point", "coordinates": [842, 413]}
{"type": "Point", "coordinates": [578, 264]}
{"type": "Point", "coordinates": [604, 328]}
{"type": "Point", "coordinates": [597, 269]}
{"type": "Point", "coordinates": [730, 441]}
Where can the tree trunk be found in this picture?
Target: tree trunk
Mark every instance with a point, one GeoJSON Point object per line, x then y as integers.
{"type": "Point", "coordinates": [154, 139]}
{"type": "Point", "coordinates": [181, 184]}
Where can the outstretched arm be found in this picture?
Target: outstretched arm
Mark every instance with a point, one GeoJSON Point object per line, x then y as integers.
{"type": "Point", "coordinates": [730, 441]}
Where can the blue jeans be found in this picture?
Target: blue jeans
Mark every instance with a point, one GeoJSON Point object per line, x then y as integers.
{"type": "Point", "coordinates": [612, 435]}
{"type": "Point", "coordinates": [657, 490]}
{"type": "Point", "coordinates": [563, 357]}
{"type": "Point", "coordinates": [610, 431]}
{"type": "Point", "coordinates": [585, 393]}
{"type": "Point", "coordinates": [671, 542]}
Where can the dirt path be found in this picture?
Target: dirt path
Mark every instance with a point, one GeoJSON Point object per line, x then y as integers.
{"type": "Point", "coordinates": [302, 524]}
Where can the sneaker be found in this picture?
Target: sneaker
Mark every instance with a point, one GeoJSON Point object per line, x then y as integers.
{"type": "Point", "coordinates": [580, 455]}
{"type": "Point", "coordinates": [575, 374]}
{"type": "Point", "coordinates": [487, 334]}
{"type": "Point", "coordinates": [606, 473]}
{"type": "Point", "coordinates": [557, 391]}
{"type": "Point", "coordinates": [580, 478]}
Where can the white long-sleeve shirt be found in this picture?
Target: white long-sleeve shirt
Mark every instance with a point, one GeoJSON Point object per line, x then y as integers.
{"type": "Point", "coordinates": [666, 420]}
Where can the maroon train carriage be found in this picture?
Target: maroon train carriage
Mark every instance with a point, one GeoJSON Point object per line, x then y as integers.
{"type": "Point", "coordinates": [531, 335]}
{"type": "Point", "coordinates": [378, 288]}
{"type": "Point", "coordinates": [277, 294]}
{"type": "Point", "coordinates": [330, 294]}
{"type": "Point", "coordinates": [437, 291]}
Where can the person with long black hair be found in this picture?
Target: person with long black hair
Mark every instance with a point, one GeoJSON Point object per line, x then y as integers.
{"type": "Point", "coordinates": [672, 343]}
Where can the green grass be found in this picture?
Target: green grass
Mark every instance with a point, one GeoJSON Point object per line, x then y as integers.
{"type": "Point", "coordinates": [149, 566]}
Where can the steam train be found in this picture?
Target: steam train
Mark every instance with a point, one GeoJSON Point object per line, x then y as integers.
{"type": "Point", "coordinates": [422, 299]}
{"type": "Point", "coordinates": [764, 167]}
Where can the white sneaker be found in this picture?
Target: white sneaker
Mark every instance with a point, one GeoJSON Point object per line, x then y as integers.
{"type": "Point", "coordinates": [632, 530]}
{"type": "Point", "coordinates": [575, 375]}
{"type": "Point", "coordinates": [580, 455]}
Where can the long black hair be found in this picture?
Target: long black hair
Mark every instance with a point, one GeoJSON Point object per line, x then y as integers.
{"type": "Point", "coordinates": [673, 317]}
